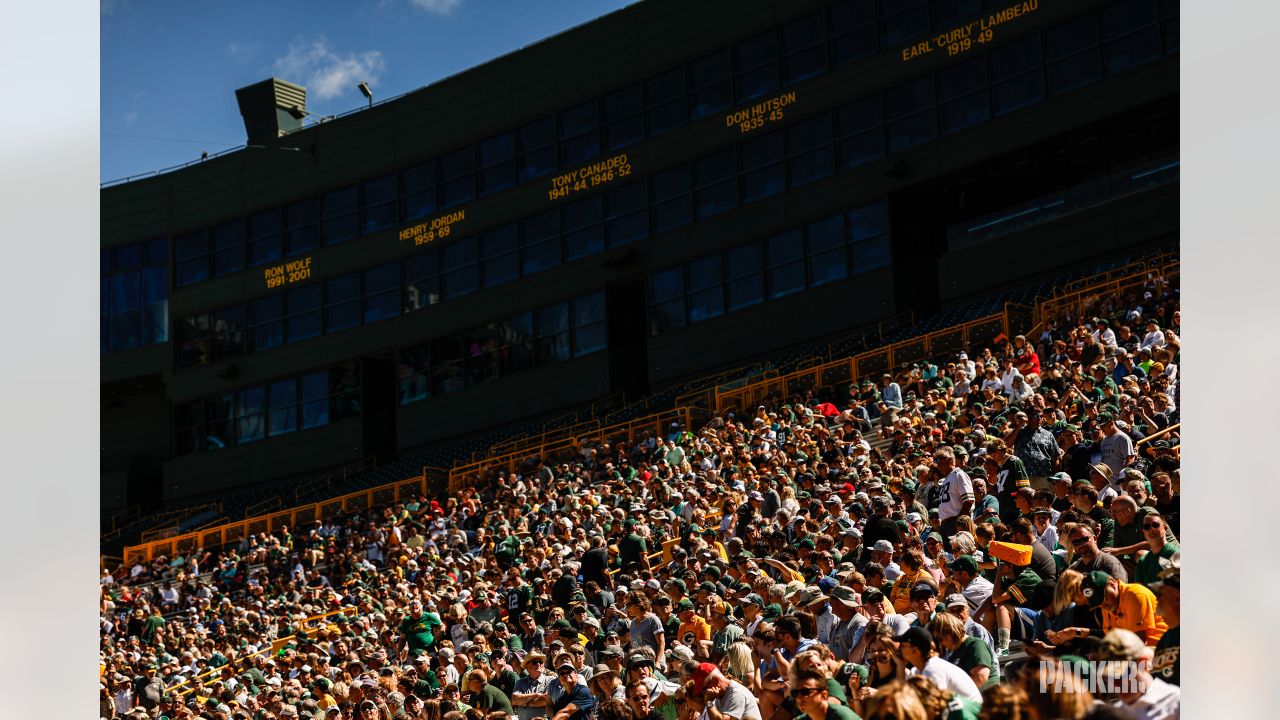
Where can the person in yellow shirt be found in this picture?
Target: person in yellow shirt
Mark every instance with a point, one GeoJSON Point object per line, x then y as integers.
{"type": "Point", "coordinates": [693, 628]}
{"type": "Point", "coordinates": [324, 694]}
{"type": "Point", "coordinates": [913, 571]}
{"type": "Point", "coordinates": [1129, 606]}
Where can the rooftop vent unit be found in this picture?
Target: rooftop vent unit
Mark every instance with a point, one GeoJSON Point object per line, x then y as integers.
{"type": "Point", "coordinates": [271, 109]}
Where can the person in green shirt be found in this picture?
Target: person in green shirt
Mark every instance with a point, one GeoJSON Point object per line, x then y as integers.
{"type": "Point", "coordinates": [417, 630]}
{"type": "Point", "coordinates": [1159, 549]}
{"type": "Point", "coordinates": [485, 696]}
{"type": "Point", "coordinates": [810, 693]}
{"type": "Point", "coordinates": [969, 653]}
{"type": "Point", "coordinates": [1168, 589]}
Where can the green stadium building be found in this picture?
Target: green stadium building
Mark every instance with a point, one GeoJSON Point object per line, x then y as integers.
{"type": "Point", "coordinates": [672, 189]}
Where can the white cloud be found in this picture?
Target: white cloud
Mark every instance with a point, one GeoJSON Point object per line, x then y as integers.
{"type": "Point", "coordinates": [130, 116]}
{"type": "Point", "coordinates": [439, 7]}
{"type": "Point", "coordinates": [326, 73]}
{"type": "Point", "coordinates": [241, 52]}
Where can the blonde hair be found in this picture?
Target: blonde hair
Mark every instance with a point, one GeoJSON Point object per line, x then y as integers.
{"type": "Point", "coordinates": [945, 626]}
{"type": "Point", "coordinates": [896, 701]}
{"type": "Point", "coordinates": [1064, 592]}
{"type": "Point", "coordinates": [741, 664]}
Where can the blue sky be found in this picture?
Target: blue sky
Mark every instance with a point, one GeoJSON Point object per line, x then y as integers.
{"type": "Point", "coordinates": [170, 69]}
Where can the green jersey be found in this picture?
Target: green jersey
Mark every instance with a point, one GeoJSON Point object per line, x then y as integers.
{"type": "Point", "coordinates": [420, 631]}
{"type": "Point", "coordinates": [1168, 651]}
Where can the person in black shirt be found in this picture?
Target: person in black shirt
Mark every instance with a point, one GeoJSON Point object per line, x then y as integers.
{"type": "Point", "coordinates": [1042, 561]}
{"type": "Point", "coordinates": [1076, 452]}
{"type": "Point", "coordinates": [880, 527]}
{"type": "Point", "coordinates": [595, 564]}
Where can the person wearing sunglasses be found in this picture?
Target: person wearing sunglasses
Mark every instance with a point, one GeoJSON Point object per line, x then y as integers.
{"type": "Point", "coordinates": [569, 696]}
{"type": "Point", "coordinates": [1159, 548]}
{"type": "Point", "coordinates": [1087, 557]}
{"type": "Point", "coordinates": [530, 694]}
{"type": "Point", "coordinates": [809, 692]}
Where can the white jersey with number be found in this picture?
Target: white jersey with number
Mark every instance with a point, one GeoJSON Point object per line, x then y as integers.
{"type": "Point", "coordinates": [952, 492]}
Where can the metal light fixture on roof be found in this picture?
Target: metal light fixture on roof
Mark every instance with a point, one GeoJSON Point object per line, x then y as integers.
{"type": "Point", "coordinates": [365, 91]}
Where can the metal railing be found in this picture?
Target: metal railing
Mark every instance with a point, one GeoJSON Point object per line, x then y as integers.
{"type": "Point", "coordinates": [171, 521]}
{"type": "Point", "coordinates": [233, 532]}
{"type": "Point", "coordinates": [1103, 297]}
{"type": "Point", "coordinates": [466, 475]}
{"type": "Point", "coordinates": [867, 364]}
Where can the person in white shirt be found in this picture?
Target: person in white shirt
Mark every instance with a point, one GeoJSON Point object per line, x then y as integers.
{"type": "Point", "coordinates": [915, 647]}
{"type": "Point", "coordinates": [1154, 338]}
{"type": "Point", "coordinates": [967, 366]}
{"type": "Point", "coordinates": [1104, 334]}
{"type": "Point", "coordinates": [1007, 374]}
{"type": "Point", "coordinates": [724, 697]}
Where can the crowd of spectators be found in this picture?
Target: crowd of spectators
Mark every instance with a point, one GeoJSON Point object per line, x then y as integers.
{"type": "Point", "coordinates": [965, 539]}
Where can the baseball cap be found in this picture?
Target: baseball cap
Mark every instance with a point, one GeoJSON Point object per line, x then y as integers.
{"type": "Point", "coordinates": [1094, 587]}
{"type": "Point", "coordinates": [918, 638]}
{"type": "Point", "coordinates": [883, 546]}
{"type": "Point", "coordinates": [845, 596]}
{"type": "Point", "coordinates": [956, 600]}
{"type": "Point", "coordinates": [922, 590]}
{"type": "Point", "coordinates": [701, 674]}
{"type": "Point", "coordinates": [967, 563]}
{"type": "Point", "coordinates": [753, 599]}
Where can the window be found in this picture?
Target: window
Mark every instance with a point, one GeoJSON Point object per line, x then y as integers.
{"type": "Point", "coordinates": [418, 191]}
{"type": "Point", "coordinates": [909, 116]}
{"type": "Point", "coordinates": [588, 324]}
{"type": "Point", "coordinates": [826, 251]}
{"type": "Point", "coordinates": [300, 234]}
{"type": "Point", "coordinates": [314, 408]}
{"type": "Point", "coordinates": [1130, 36]}
{"type": "Point", "coordinates": [715, 187]}
{"type": "Point", "coordinates": [756, 67]}
{"type": "Point", "coordinates": [869, 237]}
{"type": "Point", "coordinates": [552, 341]}
{"type": "Point", "coordinates": [671, 198]}
{"type": "Point", "coordinates": [191, 254]}
{"type": "Point", "coordinates": [414, 373]}
{"type": "Point", "coordinates": [744, 281]}
{"type": "Point", "coordinates": [705, 289]}
{"type": "Point", "coordinates": [540, 242]}
{"type": "Point", "coordinates": [763, 172]}
{"type": "Point", "coordinates": [133, 297]}
{"type": "Point", "coordinates": [282, 404]}
{"type": "Point", "coordinates": [497, 163]}
{"type": "Point", "coordinates": [251, 419]}
{"type": "Point", "coordinates": [809, 154]}
{"type": "Point", "coordinates": [1071, 54]}
{"type": "Point", "coordinates": [584, 227]}
{"type": "Point", "coordinates": [859, 132]}
{"type": "Point", "coordinates": [517, 337]}
{"type": "Point", "coordinates": [851, 27]}
{"type": "Point", "coordinates": [1016, 75]}
{"type": "Point", "coordinates": [381, 292]}
{"type": "Point", "coordinates": [459, 268]}
{"type": "Point", "coordinates": [804, 49]}
{"type": "Point", "coordinates": [342, 302]}
{"type": "Point", "coordinates": [709, 85]}
{"type": "Point", "coordinates": [228, 248]}
{"type": "Point", "coordinates": [421, 281]}
{"type": "Point", "coordinates": [265, 242]}
{"type": "Point", "coordinates": [344, 391]}
{"type": "Point", "coordinates": [227, 328]}
{"type": "Point", "coordinates": [785, 261]}
{"type": "Point", "coordinates": [302, 313]}
{"type": "Point", "coordinates": [499, 255]}
{"type": "Point", "coordinates": [624, 117]}
{"type": "Point", "coordinates": [457, 177]}
{"type": "Point", "coordinates": [903, 21]}
{"type": "Point", "coordinates": [666, 300]}
{"type": "Point", "coordinates": [339, 212]}
{"type": "Point", "coordinates": [962, 95]}
{"type": "Point", "coordinates": [536, 145]}
{"type": "Point", "coordinates": [579, 134]}
{"type": "Point", "coordinates": [378, 208]}
{"type": "Point", "coordinates": [665, 107]}
{"type": "Point", "coordinates": [447, 373]}
{"type": "Point", "coordinates": [946, 13]}
{"type": "Point", "coordinates": [266, 323]}
{"type": "Point", "coordinates": [626, 214]}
